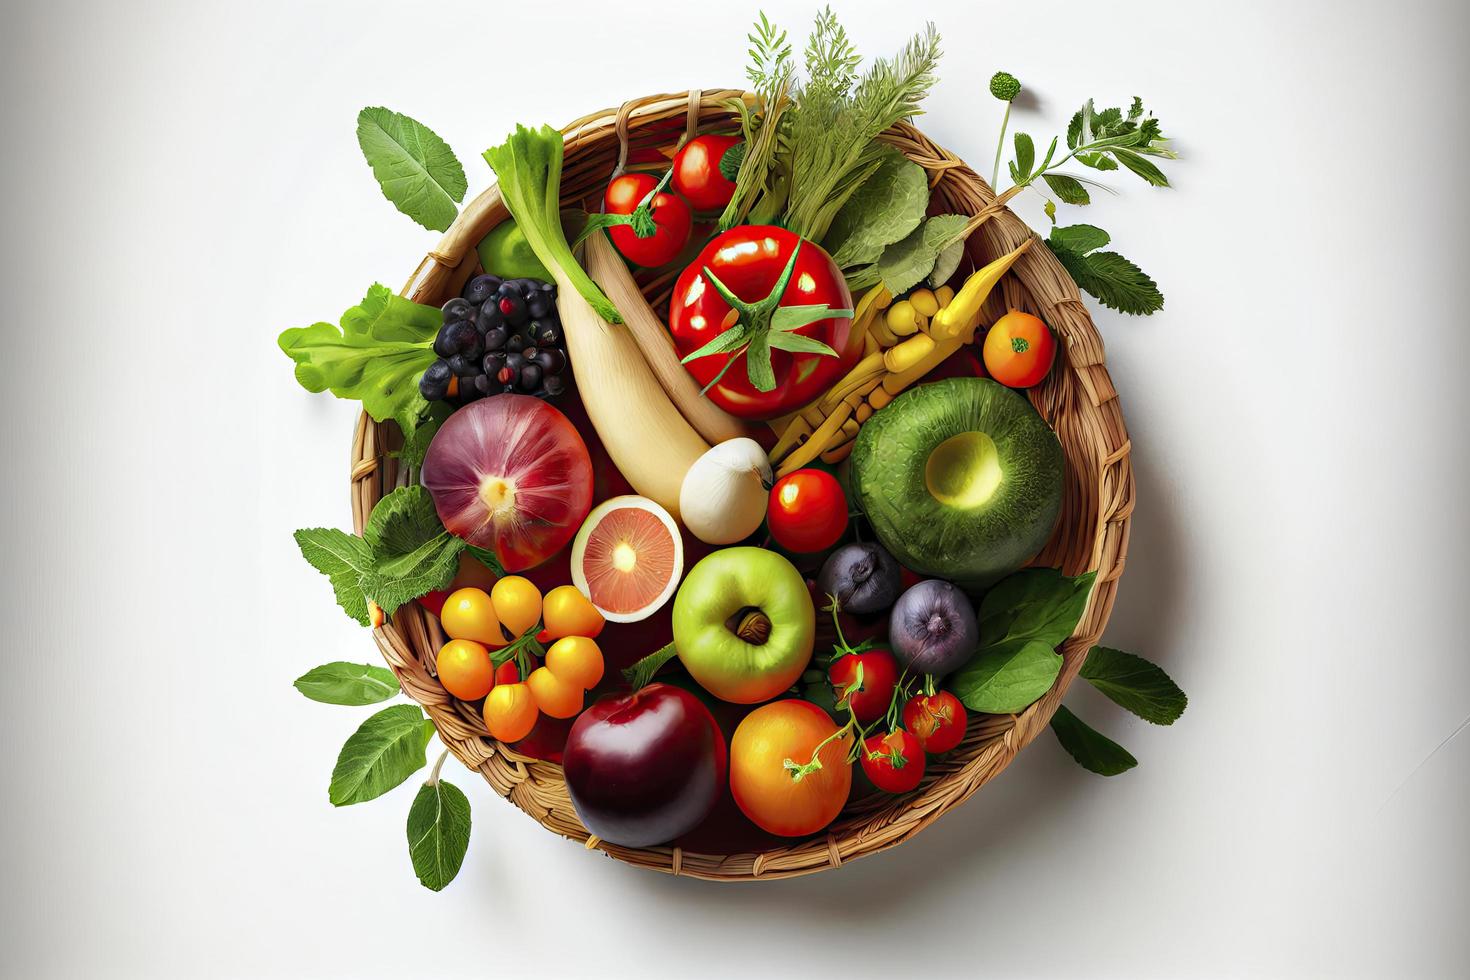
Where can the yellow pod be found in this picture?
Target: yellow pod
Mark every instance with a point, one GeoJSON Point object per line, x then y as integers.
{"type": "Point", "coordinates": [924, 301]}
{"type": "Point", "coordinates": [900, 358]}
{"type": "Point", "coordinates": [944, 295]}
{"type": "Point", "coordinates": [902, 318]}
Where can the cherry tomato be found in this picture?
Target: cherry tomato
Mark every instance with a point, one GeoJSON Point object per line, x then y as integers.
{"type": "Point", "coordinates": [894, 762]}
{"type": "Point", "coordinates": [465, 669]}
{"type": "Point", "coordinates": [697, 173]}
{"type": "Point", "coordinates": [567, 612]}
{"type": "Point", "coordinates": [555, 696]}
{"type": "Point", "coordinates": [938, 721]}
{"type": "Point", "coordinates": [469, 614]}
{"type": "Point", "coordinates": [750, 260]}
{"type": "Point", "coordinates": [576, 660]}
{"type": "Point", "coordinates": [517, 602]}
{"type": "Point", "coordinates": [876, 674]}
{"type": "Point", "coordinates": [510, 712]}
{"type": "Point", "coordinates": [769, 793]}
{"type": "Point", "coordinates": [1019, 350]}
{"type": "Point", "coordinates": [508, 672]}
{"type": "Point", "coordinates": [807, 511]}
{"type": "Point", "coordinates": [672, 220]}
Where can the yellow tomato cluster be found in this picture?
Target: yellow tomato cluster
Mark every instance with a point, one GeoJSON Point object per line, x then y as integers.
{"type": "Point", "coordinates": [509, 613]}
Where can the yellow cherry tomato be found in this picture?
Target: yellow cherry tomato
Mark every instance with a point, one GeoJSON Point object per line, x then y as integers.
{"type": "Point", "coordinates": [469, 614]}
{"type": "Point", "coordinates": [555, 696]}
{"type": "Point", "coordinates": [465, 669]}
{"type": "Point", "coordinates": [567, 612]}
{"type": "Point", "coordinates": [517, 603]}
{"type": "Point", "coordinates": [510, 712]}
{"type": "Point", "coordinates": [576, 660]}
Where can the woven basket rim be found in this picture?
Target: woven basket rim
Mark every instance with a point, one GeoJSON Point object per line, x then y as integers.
{"type": "Point", "coordinates": [1078, 400]}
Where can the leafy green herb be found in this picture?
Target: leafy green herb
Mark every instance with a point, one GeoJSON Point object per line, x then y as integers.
{"type": "Point", "coordinates": [1115, 282]}
{"type": "Point", "coordinates": [350, 684]}
{"type": "Point", "coordinates": [1022, 620]}
{"type": "Point", "coordinates": [417, 170]}
{"type": "Point", "coordinates": [762, 326]}
{"type": "Point", "coordinates": [528, 168]}
{"type": "Point", "coordinates": [381, 754]}
{"type": "Point", "coordinates": [416, 441]}
{"type": "Point", "coordinates": [885, 208]}
{"type": "Point", "coordinates": [1093, 750]}
{"type": "Point", "coordinates": [905, 264]}
{"type": "Point", "coordinates": [1135, 684]}
{"type": "Point", "coordinates": [404, 552]}
{"type": "Point", "coordinates": [438, 831]}
{"type": "Point", "coordinates": [376, 356]}
{"type": "Point", "coordinates": [810, 156]}
{"type": "Point", "coordinates": [642, 672]}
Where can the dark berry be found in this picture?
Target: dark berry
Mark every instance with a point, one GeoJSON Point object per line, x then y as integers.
{"type": "Point", "coordinates": [514, 360]}
{"type": "Point", "coordinates": [460, 336]}
{"type": "Point", "coordinates": [463, 366]}
{"type": "Point", "coordinates": [480, 288]}
{"type": "Point", "coordinates": [493, 362]}
{"type": "Point", "coordinates": [516, 342]}
{"type": "Point", "coordinates": [551, 361]}
{"type": "Point", "coordinates": [539, 305]}
{"type": "Point", "coordinates": [443, 342]}
{"type": "Point", "coordinates": [555, 385]}
{"type": "Point", "coordinates": [434, 385]}
{"type": "Point", "coordinates": [468, 392]}
{"type": "Point", "coordinates": [530, 377]}
{"type": "Point", "coordinates": [496, 337]}
{"type": "Point", "coordinates": [458, 309]}
{"type": "Point", "coordinates": [544, 332]}
{"type": "Point", "coordinates": [490, 316]}
{"type": "Point", "coordinates": [512, 307]}
{"type": "Point", "coordinates": [483, 384]}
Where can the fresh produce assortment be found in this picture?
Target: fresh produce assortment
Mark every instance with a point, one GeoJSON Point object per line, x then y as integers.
{"type": "Point", "coordinates": [643, 534]}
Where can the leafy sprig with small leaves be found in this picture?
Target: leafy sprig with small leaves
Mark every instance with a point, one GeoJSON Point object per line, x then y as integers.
{"type": "Point", "coordinates": [1102, 140]}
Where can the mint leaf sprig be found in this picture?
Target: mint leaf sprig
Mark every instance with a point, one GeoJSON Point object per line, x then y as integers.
{"type": "Point", "coordinates": [1131, 682]}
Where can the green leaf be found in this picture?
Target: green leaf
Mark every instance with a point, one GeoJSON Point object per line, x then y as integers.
{"type": "Point", "coordinates": [787, 318]}
{"type": "Point", "coordinates": [350, 684]}
{"type": "Point", "coordinates": [345, 559]}
{"type": "Point", "coordinates": [946, 262]}
{"type": "Point", "coordinates": [382, 753]}
{"type": "Point", "coordinates": [904, 264]}
{"type": "Point", "coordinates": [722, 343]}
{"type": "Point", "coordinates": [1078, 238]}
{"type": "Point", "coordinates": [1034, 604]}
{"type": "Point", "coordinates": [383, 346]}
{"type": "Point", "coordinates": [1050, 207]}
{"type": "Point", "coordinates": [1135, 684]}
{"type": "Point", "coordinates": [1093, 750]}
{"type": "Point", "coordinates": [402, 521]}
{"type": "Point", "coordinates": [419, 432]}
{"type": "Point", "coordinates": [412, 553]}
{"type": "Point", "coordinates": [1142, 167]}
{"type": "Point", "coordinates": [1025, 155]}
{"type": "Point", "coordinates": [487, 558]}
{"type": "Point", "coordinates": [642, 672]}
{"type": "Point", "coordinates": [1113, 280]}
{"type": "Point", "coordinates": [438, 833]}
{"type": "Point", "coordinates": [1006, 677]}
{"type": "Point", "coordinates": [416, 169]}
{"type": "Point", "coordinates": [758, 362]}
{"type": "Point", "coordinates": [731, 160]}
{"type": "Point", "coordinates": [884, 208]}
{"type": "Point", "coordinates": [1068, 189]}
{"type": "Point", "coordinates": [798, 344]}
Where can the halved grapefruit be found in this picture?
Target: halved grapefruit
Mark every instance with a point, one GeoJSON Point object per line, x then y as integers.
{"type": "Point", "coordinates": [628, 558]}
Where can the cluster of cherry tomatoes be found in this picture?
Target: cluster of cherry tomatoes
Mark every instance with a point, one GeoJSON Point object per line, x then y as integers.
{"type": "Point", "coordinates": [898, 728]}
{"type": "Point", "coordinates": [698, 186]}
{"type": "Point", "coordinates": [515, 621]}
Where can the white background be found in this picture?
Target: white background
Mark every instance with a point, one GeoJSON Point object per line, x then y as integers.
{"type": "Point", "coordinates": [182, 182]}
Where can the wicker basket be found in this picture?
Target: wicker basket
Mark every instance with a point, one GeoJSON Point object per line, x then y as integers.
{"type": "Point", "coordinates": [1077, 399]}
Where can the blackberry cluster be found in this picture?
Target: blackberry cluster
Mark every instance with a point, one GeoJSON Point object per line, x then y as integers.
{"type": "Point", "coordinates": [499, 335]}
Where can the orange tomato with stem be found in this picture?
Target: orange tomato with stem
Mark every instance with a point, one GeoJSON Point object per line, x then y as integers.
{"type": "Point", "coordinates": [465, 669]}
{"type": "Point", "coordinates": [789, 771]}
{"type": "Point", "coordinates": [510, 712]}
{"type": "Point", "coordinates": [1019, 350]}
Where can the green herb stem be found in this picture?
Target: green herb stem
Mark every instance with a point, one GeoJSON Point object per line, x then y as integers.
{"type": "Point", "coordinates": [1000, 145]}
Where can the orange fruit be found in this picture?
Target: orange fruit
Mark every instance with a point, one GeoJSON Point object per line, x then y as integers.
{"type": "Point", "coordinates": [465, 669]}
{"type": "Point", "coordinates": [567, 612]}
{"type": "Point", "coordinates": [555, 696]}
{"type": "Point", "coordinates": [517, 603]}
{"type": "Point", "coordinates": [576, 660]}
{"type": "Point", "coordinates": [510, 712]}
{"type": "Point", "coordinates": [468, 614]}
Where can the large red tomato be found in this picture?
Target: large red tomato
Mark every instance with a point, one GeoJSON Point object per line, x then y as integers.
{"type": "Point", "coordinates": [806, 351]}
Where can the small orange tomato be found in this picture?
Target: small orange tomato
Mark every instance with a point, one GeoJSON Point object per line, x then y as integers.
{"type": "Point", "coordinates": [510, 712]}
{"type": "Point", "coordinates": [468, 614]}
{"type": "Point", "coordinates": [576, 660]}
{"type": "Point", "coordinates": [465, 669]}
{"type": "Point", "coordinates": [567, 612]}
{"type": "Point", "coordinates": [517, 603]}
{"type": "Point", "coordinates": [1019, 350]}
{"type": "Point", "coordinates": [555, 696]}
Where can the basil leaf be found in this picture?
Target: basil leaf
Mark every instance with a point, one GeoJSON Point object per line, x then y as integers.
{"type": "Point", "coordinates": [1034, 604]}
{"type": "Point", "coordinates": [344, 558]}
{"type": "Point", "coordinates": [1006, 678]}
{"type": "Point", "coordinates": [416, 169]}
{"type": "Point", "coordinates": [1093, 750]}
{"type": "Point", "coordinates": [1142, 167]}
{"type": "Point", "coordinates": [1116, 282]}
{"type": "Point", "coordinates": [1131, 682]}
{"type": "Point", "coordinates": [382, 753]}
{"type": "Point", "coordinates": [438, 833]}
{"type": "Point", "coordinates": [1078, 238]}
{"type": "Point", "coordinates": [350, 684]}
{"type": "Point", "coordinates": [885, 208]}
{"type": "Point", "coordinates": [1025, 155]}
{"type": "Point", "coordinates": [904, 264]}
{"type": "Point", "coordinates": [1068, 189]}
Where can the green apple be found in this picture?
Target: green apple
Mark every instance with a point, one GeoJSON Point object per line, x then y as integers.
{"type": "Point", "coordinates": [744, 624]}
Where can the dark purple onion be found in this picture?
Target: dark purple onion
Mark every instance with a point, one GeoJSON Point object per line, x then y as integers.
{"type": "Point", "coordinates": [932, 628]}
{"type": "Point", "coordinates": [863, 576]}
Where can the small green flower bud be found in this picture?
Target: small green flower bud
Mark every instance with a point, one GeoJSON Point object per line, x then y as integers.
{"type": "Point", "coordinates": [1003, 86]}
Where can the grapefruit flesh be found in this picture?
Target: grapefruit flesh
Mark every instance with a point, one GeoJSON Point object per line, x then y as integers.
{"type": "Point", "coordinates": [628, 558]}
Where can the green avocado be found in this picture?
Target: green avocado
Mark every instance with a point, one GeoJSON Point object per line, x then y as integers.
{"type": "Point", "coordinates": [960, 479]}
